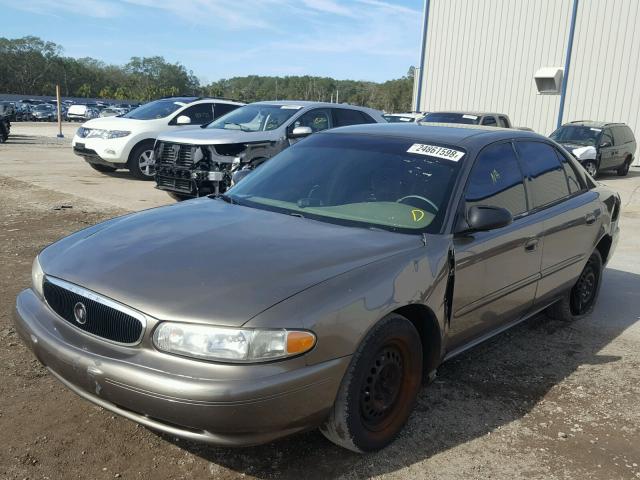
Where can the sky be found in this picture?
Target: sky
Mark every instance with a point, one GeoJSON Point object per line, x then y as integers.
{"type": "Point", "coordinates": [346, 39]}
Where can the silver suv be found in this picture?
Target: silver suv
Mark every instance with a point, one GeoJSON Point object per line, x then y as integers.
{"type": "Point", "coordinates": [209, 159]}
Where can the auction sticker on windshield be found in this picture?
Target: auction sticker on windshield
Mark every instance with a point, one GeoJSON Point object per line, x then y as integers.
{"type": "Point", "coordinates": [436, 151]}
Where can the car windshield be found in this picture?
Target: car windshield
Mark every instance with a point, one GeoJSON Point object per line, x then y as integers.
{"type": "Point", "coordinates": [355, 180]}
{"type": "Point", "coordinates": [154, 110]}
{"type": "Point", "coordinates": [256, 118]}
{"type": "Point", "coordinates": [452, 117]}
{"type": "Point", "coordinates": [398, 119]}
{"type": "Point", "coordinates": [43, 107]}
{"type": "Point", "coordinates": [577, 135]}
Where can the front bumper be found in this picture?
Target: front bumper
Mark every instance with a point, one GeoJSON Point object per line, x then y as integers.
{"type": "Point", "coordinates": [112, 153]}
{"type": "Point", "coordinates": [222, 404]}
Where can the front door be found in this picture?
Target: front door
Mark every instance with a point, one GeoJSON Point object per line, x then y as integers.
{"type": "Point", "coordinates": [496, 272]}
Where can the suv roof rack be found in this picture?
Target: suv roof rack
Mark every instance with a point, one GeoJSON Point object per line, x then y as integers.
{"type": "Point", "coordinates": [195, 98]}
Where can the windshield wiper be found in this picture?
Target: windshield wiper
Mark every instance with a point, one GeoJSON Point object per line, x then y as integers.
{"type": "Point", "coordinates": [227, 198]}
{"type": "Point", "coordinates": [238, 125]}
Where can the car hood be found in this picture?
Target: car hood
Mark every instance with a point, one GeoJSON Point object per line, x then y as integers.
{"type": "Point", "coordinates": [581, 152]}
{"type": "Point", "coordinates": [217, 136]}
{"type": "Point", "coordinates": [207, 261]}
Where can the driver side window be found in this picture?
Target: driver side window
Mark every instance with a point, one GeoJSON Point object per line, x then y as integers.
{"type": "Point", "coordinates": [199, 114]}
{"type": "Point", "coordinates": [496, 180]}
{"type": "Point", "coordinates": [318, 120]}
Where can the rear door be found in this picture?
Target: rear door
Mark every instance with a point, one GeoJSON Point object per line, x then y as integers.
{"type": "Point", "coordinates": [496, 271]}
{"type": "Point", "coordinates": [568, 212]}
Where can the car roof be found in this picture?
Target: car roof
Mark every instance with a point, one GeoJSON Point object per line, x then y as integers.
{"type": "Point", "coordinates": [467, 136]}
{"type": "Point", "coordinates": [468, 112]}
{"type": "Point", "coordinates": [593, 123]}
{"type": "Point", "coordinates": [307, 103]}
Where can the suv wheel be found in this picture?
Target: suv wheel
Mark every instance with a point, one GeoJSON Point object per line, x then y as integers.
{"type": "Point", "coordinates": [379, 389]}
{"type": "Point", "coordinates": [581, 299]}
{"type": "Point", "coordinates": [591, 167]}
{"type": "Point", "coordinates": [141, 163]}
{"type": "Point", "coordinates": [624, 169]}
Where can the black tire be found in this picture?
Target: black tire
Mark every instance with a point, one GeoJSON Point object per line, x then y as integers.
{"type": "Point", "coordinates": [102, 168]}
{"type": "Point", "coordinates": [592, 167]}
{"type": "Point", "coordinates": [379, 389]}
{"type": "Point", "coordinates": [624, 169]}
{"type": "Point", "coordinates": [135, 162]}
{"type": "Point", "coordinates": [581, 299]}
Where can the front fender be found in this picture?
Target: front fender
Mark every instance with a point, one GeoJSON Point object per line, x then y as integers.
{"type": "Point", "coordinates": [341, 310]}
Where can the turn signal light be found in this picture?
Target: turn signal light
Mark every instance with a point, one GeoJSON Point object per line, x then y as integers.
{"type": "Point", "coordinates": [300, 342]}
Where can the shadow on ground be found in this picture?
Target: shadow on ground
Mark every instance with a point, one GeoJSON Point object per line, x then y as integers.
{"type": "Point", "coordinates": [474, 394]}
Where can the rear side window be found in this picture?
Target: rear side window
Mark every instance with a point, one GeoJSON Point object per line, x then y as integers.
{"type": "Point", "coordinates": [573, 181]}
{"type": "Point", "coordinates": [489, 121]}
{"type": "Point", "coordinates": [344, 117]}
{"type": "Point", "coordinates": [496, 180]}
{"type": "Point", "coordinates": [546, 179]}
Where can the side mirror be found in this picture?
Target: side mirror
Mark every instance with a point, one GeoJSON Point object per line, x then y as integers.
{"type": "Point", "coordinates": [183, 120]}
{"type": "Point", "coordinates": [300, 132]}
{"type": "Point", "coordinates": [605, 144]}
{"type": "Point", "coordinates": [481, 218]}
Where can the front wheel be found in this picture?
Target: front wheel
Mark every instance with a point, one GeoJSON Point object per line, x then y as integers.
{"type": "Point", "coordinates": [591, 167]}
{"type": "Point", "coordinates": [624, 168]}
{"type": "Point", "coordinates": [379, 389]}
{"type": "Point", "coordinates": [141, 163]}
{"type": "Point", "coordinates": [581, 299]}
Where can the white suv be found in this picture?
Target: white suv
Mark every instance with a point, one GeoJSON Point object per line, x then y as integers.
{"type": "Point", "coordinates": [127, 141]}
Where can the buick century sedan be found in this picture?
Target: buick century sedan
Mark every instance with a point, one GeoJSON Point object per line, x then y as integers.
{"type": "Point", "coordinates": [321, 290]}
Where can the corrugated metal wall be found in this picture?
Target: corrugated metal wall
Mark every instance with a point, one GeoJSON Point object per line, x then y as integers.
{"type": "Point", "coordinates": [483, 54]}
{"type": "Point", "coordinates": [604, 78]}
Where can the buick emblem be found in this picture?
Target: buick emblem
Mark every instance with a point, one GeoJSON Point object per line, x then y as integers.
{"type": "Point", "coordinates": [80, 313]}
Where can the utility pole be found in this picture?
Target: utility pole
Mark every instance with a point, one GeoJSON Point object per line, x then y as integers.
{"type": "Point", "coordinates": [337, 95]}
{"type": "Point", "coordinates": [60, 135]}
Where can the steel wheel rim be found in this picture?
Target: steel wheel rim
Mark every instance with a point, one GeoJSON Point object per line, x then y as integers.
{"type": "Point", "coordinates": [584, 291]}
{"type": "Point", "coordinates": [146, 163]}
{"type": "Point", "coordinates": [382, 387]}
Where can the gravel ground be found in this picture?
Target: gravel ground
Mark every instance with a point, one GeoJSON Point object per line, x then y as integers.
{"type": "Point", "coordinates": [546, 400]}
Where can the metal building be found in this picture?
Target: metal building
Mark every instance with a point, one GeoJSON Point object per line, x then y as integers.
{"type": "Point", "coordinates": [539, 61]}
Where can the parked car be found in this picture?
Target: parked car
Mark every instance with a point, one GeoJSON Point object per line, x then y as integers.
{"type": "Point", "coordinates": [469, 118]}
{"type": "Point", "coordinates": [112, 112]}
{"type": "Point", "coordinates": [324, 287]}
{"type": "Point", "coordinates": [403, 117]}
{"type": "Point", "coordinates": [208, 160]}
{"type": "Point", "coordinates": [127, 141]}
{"type": "Point", "coordinates": [23, 112]}
{"type": "Point", "coordinates": [81, 113]}
{"type": "Point", "coordinates": [5, 126]}
{"type": "Point", "coordinates": [44, 113]}
{"type": "Point", "coordinates": [8, 110]}
{"type": "Point", "coordinates": [598, 146]}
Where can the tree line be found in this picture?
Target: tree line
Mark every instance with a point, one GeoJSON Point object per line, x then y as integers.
{"type": "Point", "coordinates": [32, 66]}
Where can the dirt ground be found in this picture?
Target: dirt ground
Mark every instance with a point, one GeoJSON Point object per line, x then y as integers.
{"type": "Point", "coordinates": [546, 400]}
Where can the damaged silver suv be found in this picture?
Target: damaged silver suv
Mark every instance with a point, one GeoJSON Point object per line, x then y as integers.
{"type": "Point", "coordinates": [209, 159]}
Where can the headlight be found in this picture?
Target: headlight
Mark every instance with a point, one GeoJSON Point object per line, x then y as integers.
{"type": "Point", "coordinates": [37, 277]}
{"type": "Point", "coordinates": [231, 344]}
{"type": "Point", "coordinates": [107, 134]}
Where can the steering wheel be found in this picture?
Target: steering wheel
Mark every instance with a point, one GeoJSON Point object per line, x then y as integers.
{"type": "Point", "coordinates": [432, 206]}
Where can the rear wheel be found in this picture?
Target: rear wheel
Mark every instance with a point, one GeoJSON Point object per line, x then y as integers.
{"type": "Point", "coordinates": [591, 167]}
{"type": "Point", "coordinates": [624, 169]}
{"type": "Point", "coordinates": [581, 299]}
{"type": "Point", "coordinates": [141, 163]}
{"type": "Point", "coordinates": [102, 168]}
{"type": "Point", "coordinates": [379, 389]}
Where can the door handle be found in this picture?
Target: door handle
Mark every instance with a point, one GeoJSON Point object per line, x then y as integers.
{"type": "Point", "coordinates": [531, 245]}
{"type": "Point", "coordinates": [590, 218]}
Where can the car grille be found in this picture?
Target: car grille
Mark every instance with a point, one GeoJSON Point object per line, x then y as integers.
{"type": "Point", "coordinates": [171, 183]}
{"type": "Point", "coordinates": [175, 154]}
{"type": "Point", "coordinates": [104, 318]}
